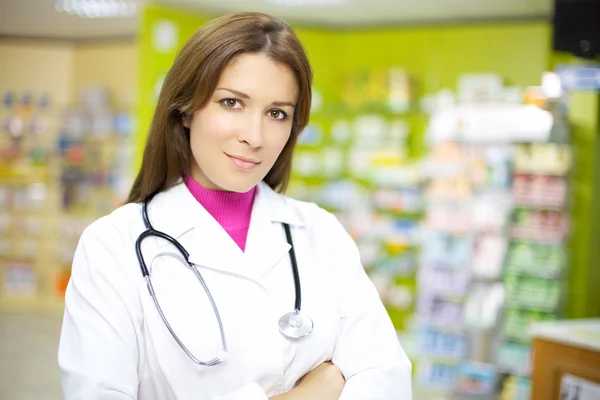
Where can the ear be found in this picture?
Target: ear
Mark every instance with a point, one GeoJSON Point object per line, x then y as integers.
{"type": "Point", "coordinates": [186, 120]}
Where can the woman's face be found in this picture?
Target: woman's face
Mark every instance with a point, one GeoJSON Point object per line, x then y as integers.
{"type": "Point", "coordinates": [237, 137]}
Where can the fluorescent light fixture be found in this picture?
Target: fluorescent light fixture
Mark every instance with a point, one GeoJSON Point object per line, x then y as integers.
{"type": "Point", "coordinates": [98, 8]}
{"type": "Point", "coordinates": [298, 3]}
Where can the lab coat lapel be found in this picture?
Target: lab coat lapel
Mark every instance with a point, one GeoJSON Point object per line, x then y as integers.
{"type": "Point", "coordinates": [178, 214]}
{"type": "Point", "coordinates": [266, 244]}
{"type": "Point", "coordinates": [212, 247]}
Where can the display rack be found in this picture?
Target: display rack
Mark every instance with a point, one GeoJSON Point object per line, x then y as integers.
{"type": "Point", "coordinates": [493, 246]}
{"type": "Point", "coordinates": [357, 160]}
{"type": "Point", "coordinates": [460, 293]}
{"type": "Point", "coordinates": [537, 261]}
{"type": "Point", "coordinates": [28, 191]}
{"type": "Point", "coordinates": [61, 168]}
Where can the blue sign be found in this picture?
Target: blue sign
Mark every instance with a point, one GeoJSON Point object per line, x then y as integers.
{"type": "Point", "coordinates": [579, 77]}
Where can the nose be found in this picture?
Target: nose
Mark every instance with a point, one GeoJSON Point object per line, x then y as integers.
{"type": "Point", "coordinates": [252, 131]}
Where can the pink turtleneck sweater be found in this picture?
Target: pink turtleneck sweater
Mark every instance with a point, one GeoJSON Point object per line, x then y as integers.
{"type": "Point", "coordinates": [231, 210]}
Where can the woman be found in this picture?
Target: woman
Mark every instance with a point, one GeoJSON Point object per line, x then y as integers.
{"type": "Point", "coordinates": [219, 149]}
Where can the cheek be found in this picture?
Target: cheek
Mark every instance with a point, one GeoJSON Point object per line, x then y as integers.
{"type": "Point", "coordinates": [278, 140]}
{"type": "Point", "coordinates": [222, 125]}
{"type": "Point", "coordinates": [212, 128]}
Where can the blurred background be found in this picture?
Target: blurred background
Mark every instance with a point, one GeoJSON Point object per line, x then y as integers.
{"type": "Point", "coordinates": [457, 140]}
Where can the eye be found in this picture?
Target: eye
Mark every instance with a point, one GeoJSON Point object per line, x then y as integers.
{"type": "Point", "coordinates": [278, 115]}
{"type": "Point", "coordinates": [231, 103]}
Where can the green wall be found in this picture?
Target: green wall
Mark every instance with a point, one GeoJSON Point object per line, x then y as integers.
{"type": "Point", "coordinates": [584, 274]}
{"type": "Point", "coordinates": [436, 56]}
{"type": "Point", "coordinates": [584, 282]}
{"type": "Point", "coordinates": [154, 64]}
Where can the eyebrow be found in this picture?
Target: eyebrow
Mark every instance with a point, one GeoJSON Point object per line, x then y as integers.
{"type": "Point", "coordinates": [245, 96]}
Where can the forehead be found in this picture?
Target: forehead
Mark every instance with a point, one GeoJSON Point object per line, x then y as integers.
{"type": "Point", "coordinates": [259, 76]}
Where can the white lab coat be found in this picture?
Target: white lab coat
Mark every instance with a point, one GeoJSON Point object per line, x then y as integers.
{"type": "Point", "coordinates": [115, 346]}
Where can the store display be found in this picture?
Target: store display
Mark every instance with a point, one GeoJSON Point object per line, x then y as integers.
{"type": "Point", "coordinates": [358, 163]}
{"type": "Point", "coordinates": [390, 89]}
{"type": "Point", "coordinates": [477, 379]}
{"type": "Point", "coordinates": [495, 226]}
{"type": "Point", "coordinates": [516, 388]}
{"type": "Point", "coordinates": [19, 278]}
{"type": "Point", "coordinates": [537, 257]}
{"type": "Point", "coordinates": [60, 169]}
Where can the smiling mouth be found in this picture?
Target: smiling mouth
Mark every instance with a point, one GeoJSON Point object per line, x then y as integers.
{"type": "Point", "coordinates": [243, 163]}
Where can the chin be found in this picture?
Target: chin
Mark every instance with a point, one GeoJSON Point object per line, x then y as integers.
{"type": "Point", "coordinates": [238, 185]}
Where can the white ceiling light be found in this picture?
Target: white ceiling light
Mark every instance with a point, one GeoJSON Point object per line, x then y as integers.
{"type": "Point", "coordinates": [98, 8]}
{"type": "Point", "coordinates": [308, 2]}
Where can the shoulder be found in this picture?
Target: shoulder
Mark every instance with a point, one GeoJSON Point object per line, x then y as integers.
{"type": "Point", "coordinates": [312, 214]}
{"type": "Point", "coordinates": [107, 248]}
{"type": "Point", "coordinates": [317, 221]}
{"type": "Point", "coordinates": [118, 225]}
{"type": "Point", "coordinates": [297, 212]}
{"type": "Point", "coordinates": [327, 238]}
{"type": "Point", "coordinates": [108, 244]}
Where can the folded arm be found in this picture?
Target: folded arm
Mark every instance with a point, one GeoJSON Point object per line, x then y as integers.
{"type": "Point", "coordinates": [367, 349]}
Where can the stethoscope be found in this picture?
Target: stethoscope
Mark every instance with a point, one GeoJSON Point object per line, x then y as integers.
{"type": "Point", "coordinates": [293, 325]}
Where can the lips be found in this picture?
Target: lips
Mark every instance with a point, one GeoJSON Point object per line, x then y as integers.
{"type": "Point", "coordinates": [243, 163]}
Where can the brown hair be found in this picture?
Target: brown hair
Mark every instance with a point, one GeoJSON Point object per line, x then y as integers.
{"type": "Point", "coordinates": [191, 82]}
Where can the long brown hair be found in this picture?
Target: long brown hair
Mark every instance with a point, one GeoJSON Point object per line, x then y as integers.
{"type": "Point", "coordinates": [191, 82]}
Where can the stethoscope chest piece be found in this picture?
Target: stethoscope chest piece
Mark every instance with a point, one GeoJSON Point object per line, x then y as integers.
{"type": "Point", "coordinates": [295, 325]}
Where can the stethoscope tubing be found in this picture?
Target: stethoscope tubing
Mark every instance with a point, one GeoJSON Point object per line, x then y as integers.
{"type": "Point", "coordinates": [151, 232]}
{"type": "Point", "coordinates": [298, 301]}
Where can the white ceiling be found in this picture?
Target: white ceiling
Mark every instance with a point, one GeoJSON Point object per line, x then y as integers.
{"type": "Point", "coordinates": [38, 17]}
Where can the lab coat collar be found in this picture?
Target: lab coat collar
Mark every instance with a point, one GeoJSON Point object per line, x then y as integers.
{"type": "Point", "coordinates": [277, 207]}
{"type": "Point", "coordinates": [177, 213]}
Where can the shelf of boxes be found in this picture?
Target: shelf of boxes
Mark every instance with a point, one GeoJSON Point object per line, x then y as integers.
{"type": "Point", "coordinates": [359, 158]}
{"type": "Point", "coordinates": [54, 181]}
{"type": "Point", "coordinates": [28, 194]}
{"type": "Point", "coordinates": [460, 292]}
{"type": "Point", "coordinates": [537, 258]}
{"type": "Point", "coordinates": [492, 249]}
{"type": "Point", "coordinates": [357, 168]}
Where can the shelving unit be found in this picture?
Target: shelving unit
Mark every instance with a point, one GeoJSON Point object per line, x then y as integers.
{"type": "Point", "coordinates": [61, 168]}
{"type": "Point", "coordinates": [537, 261]}
{"type": "Point", "coordinates": [357, 170]}
{"type": "Point", "coordinates": [28, 193]}
{"type": "Point", "coordinates": [359, 158]}
{"type": "Point", "coordinates": [460, 294]}
{"type": "Point", "coordinates": [493, 250]}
